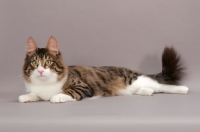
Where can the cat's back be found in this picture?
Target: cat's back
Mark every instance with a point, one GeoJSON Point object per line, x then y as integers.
{"type": "Point", "coordinates": [103, 74]}
{"type": "Point", "coordinates": [90, 70]}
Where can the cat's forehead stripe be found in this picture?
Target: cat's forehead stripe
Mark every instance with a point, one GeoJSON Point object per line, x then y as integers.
{"type": "Point", "coordinates": [41, 52]}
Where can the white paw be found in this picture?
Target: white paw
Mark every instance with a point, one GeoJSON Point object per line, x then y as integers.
{"type": "Point", "coordinates": [145, 91]}
{"type": "Point", "coordinates": [28, 98]}
{"type": "Point", "coordinates": [60, 98]}
{"type": "Point", "coordinates": [182, 90]}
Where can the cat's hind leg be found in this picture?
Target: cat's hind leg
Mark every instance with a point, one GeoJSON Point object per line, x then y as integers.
{"type": "Point", "coordinates": [145, 91]}
{"type": "Point", "coordinates": [144, 85]}
{"type": "Point", "coordinates": [172, 89]}
{"type": "Point", "coordinates": [31, 97]}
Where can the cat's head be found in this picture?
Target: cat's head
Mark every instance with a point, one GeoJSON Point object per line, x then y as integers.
{"type": "Point", "coordinates": [43, 64]}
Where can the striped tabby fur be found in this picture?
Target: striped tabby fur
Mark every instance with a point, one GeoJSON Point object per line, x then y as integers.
{"type": "Point", "coordinates": [48, 78]}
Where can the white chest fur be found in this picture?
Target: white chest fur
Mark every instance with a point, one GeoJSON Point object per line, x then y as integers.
{"type": "Point", "coordinates": [45, 90]}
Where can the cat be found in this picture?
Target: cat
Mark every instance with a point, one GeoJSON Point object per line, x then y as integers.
{"type": "Point", "coordinates": [47, 78]}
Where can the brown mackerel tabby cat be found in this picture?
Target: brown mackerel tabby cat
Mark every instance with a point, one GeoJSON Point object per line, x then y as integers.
{"type": "Point", "coordinates": [48, 78]}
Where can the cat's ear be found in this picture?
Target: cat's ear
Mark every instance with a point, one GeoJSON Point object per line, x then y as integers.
{"type": "Point", "coordinates": [31, 46]}
{"type": "Point", "coordinates": [52, 45]}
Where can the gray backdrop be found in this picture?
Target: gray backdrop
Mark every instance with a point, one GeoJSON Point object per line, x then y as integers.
{"type": "Point", "coordinates": [126, 33]}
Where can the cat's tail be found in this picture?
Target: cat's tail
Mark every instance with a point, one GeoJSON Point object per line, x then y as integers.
{"type": "Point", "coordinates": [172, 68]}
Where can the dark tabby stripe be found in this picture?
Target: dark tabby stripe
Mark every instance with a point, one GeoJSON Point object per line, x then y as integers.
{"type": "Point", "coordinates": [78, 73]}
{"type": "Point", "coordinates": [101, 77]}
{"type": "Point", "coordinates": [60, 67]}
{"type": "Point", "coordinates": [130, 81]}
{"type": "Point", "coordinates": [125, 80]}
{"type": "Point", "coordinates": [70, 93]}
{"type": "Point", "coordinates": [85, 92]}
{"type": "Point", "coordinates": [79, 93]}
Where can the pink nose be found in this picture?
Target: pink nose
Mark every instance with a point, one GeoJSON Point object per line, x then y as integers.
{"type": "Point", "coordinates": [40, 71]}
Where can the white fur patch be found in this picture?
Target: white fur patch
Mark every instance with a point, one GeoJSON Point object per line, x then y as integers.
{"type": "Point", "coordinates": [28, 98]}
{"type": "Point", "coordinates": [145, 91]}
{"type": "Point", "coordinates": [182, 90]}
{"type": "Point", "coordinates": [60, 98]}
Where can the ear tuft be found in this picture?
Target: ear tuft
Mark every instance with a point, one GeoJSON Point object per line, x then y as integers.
{"type": "Point", "coordinates": [31, 46]}
{"type": "Point", "coordinates": [52, 45]}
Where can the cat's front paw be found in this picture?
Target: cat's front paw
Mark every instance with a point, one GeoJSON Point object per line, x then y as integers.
{"type": "Point", "coordinates": [28, 98]}
{"type": "Point", "coordinates": [60, 98]}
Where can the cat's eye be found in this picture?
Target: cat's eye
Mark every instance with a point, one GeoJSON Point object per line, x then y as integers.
{"type": "Point", "coordinates": [34, 63]}
{"type": "Point", "coordinates": [48, 63]}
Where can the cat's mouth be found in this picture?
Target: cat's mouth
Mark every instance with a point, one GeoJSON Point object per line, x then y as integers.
{"type": "Point", "coordinates": [41, 76]}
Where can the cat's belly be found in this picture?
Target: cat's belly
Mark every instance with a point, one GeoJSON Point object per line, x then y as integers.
{"type": "Point", "coordinates": [45, 92]}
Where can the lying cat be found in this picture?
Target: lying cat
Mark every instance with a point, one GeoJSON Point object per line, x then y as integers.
{"type": "Point", "coordinates": [48, 78]}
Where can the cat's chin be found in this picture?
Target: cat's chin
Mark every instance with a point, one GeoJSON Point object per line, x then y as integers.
{"type": "Point", "coordinates": [42, 77]}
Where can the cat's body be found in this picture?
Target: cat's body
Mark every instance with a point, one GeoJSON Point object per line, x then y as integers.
{"type": "Point", "coordinates": [48, 78]}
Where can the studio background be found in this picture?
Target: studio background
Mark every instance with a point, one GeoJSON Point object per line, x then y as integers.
{"type": "Point", "coordinates": [125, 33]}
